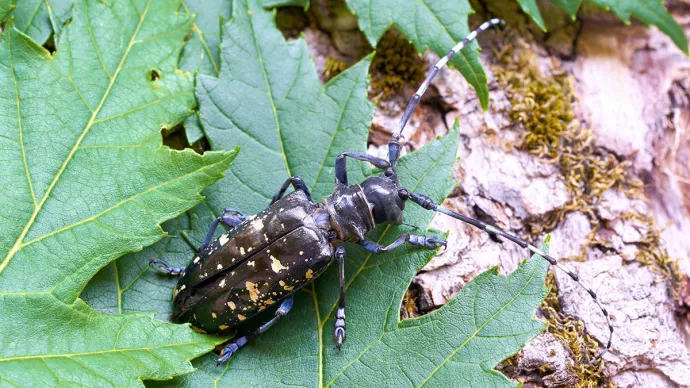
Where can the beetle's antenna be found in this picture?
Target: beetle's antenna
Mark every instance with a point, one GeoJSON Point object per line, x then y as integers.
{"type": "Point", "coordinates": [394, 144]}
{"type": "Point", "coordinates": [429, 204]}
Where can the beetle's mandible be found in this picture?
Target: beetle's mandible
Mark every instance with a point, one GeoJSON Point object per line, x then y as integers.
{"type": "Point", "coordinates": [262, 260]}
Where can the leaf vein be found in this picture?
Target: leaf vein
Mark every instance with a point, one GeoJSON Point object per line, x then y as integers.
{"type": "Point", "coordinates": [70, 156]}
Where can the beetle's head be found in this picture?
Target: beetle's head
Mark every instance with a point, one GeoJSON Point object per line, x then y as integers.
{"type": "Point", "coordinates": [382, 193]}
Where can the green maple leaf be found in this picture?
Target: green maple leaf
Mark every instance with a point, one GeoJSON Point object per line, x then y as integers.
{"type": "Point", "coordinates": [41, 18]}
{"type": "Point", "coordinates": [6, 6]}
{"type": "Point", "coordinates": [85, 180]}
{"type": "Point", "coordinates": [569, 6]}
{"type": "Point", "coordinates": [33, 17]}
{"type": "Point", "coordinates": [649, 12]}
{"type": "Point", "coordinates": [201, 51]}
{"type": "Point", "coordinates": [438, 25]}
{"type": "Point", "coordinates": [531, 8]}
{"type": "Point", "coordinates": [268, 100]}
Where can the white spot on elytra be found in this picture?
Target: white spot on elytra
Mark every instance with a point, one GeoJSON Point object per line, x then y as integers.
{"type": "Point", "coordinates": [276, 265]}
{"type": "Point", "coordinates": [223, 239]}
{"type": "Point", "coordinates": [258, 224]}
{"type": "Point", "coordinates": [219, 266]}
{"type": "Point", "coordinates": [250, 263]}
{"type": "Point", "coordinates": [301, 253]}
{"type": "Point", "coordinates": [196, 259]}
{"type": "Point", "coordinates": [222, 283]}
{"type": "Point", "coordinates": [242, 251]}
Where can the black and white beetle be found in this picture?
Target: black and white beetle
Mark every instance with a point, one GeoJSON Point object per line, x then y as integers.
{"type": "Point", "coordinates": [262, 260]}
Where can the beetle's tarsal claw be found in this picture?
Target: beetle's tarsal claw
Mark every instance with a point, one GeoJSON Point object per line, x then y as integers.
{"type": "Point", "coordinates": [433, 243]}
{"type": "Point", "coordinates": [227, 353]}
{"type": "Point", "coordinates": [163, 267]}
{"type": "Point", "coordinates": [339, 337]}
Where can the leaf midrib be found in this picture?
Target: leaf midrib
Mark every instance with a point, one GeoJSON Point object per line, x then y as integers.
{"type": "Point", "coordinates": [260, 57]}
{"type": "Point", "coordinates": [33, 16]}
{"type": "Point", "coordinates": [478, 329]}
{"type": "Point", "coordinates": [18, 243]}
{"type": "Point", "coordinates": [200, 33]}
{"type": "Point", "coordinates": [337, 126]}
{"type": "Point", "coordinates": [107, 351]}
{"type": "Point", "coordinates": [20, 125]}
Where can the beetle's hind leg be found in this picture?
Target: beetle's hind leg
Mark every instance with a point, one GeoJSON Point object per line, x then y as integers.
{"type": "Point", "coordinates": [230, 349]}
{"type": "Point", "coordinates": [162, 266]}
{"type": "Point", "coordinates": [229, 218]}
{"type": "Point", "coordinates": [339, 333]}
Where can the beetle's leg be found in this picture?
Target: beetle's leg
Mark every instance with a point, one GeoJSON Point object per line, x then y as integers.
{"type": "Point", "coordinates": [422, 241]}
{"type": "Point", "coordinates": [162, 266]}
{"type": "Point", "coordinates": [232, 348]}
{"type": "Point", "coordinates": [297, 183]}
{"type": "Point", "coordinates": [341, 164]}
{"type": "Point", "coordinates": [229, 218]}
{"type": "Point", "coordinates": [339, 334]}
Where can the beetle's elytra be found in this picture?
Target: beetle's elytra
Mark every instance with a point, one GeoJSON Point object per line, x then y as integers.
{"type": "Point", "coordinates": [255, 264]}
{"type": "Point", "coordinates": [262, 260]}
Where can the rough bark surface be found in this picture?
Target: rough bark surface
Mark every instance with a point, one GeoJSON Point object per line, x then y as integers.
{"type": "Point", "coordinates": [633, 86]}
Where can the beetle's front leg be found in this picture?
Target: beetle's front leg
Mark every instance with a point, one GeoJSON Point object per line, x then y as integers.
{"type": "Point", "coordinates": [297, 183]}
{"type": "Point", "coordinates": [229, 218]}
{"type": "Point", "coordinates": [230, 349]}
{"type": "Point", "coordinates": [422, 241]}
{"type": "Point", "coordinates": [339, 334]}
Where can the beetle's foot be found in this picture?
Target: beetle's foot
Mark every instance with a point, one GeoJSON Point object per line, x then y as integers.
{"type": "Point", "coordinates": [339, 334]}
{"type": "Point", "coordinates": [162, 266]}
{"type": "Point", "coordinates": [230, 349]}
{"type": "Point", "coordinates": [433, 243]}
{"type": "Point", "coordinates": [227, 353]}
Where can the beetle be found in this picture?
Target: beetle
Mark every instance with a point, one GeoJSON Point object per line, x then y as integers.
{"type": "Point", "coordinates": [262, 260]}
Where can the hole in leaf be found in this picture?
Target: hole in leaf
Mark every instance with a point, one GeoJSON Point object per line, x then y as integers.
{"type": "Point", "coordinates": [154, 75]}
{"type": "Point", "coordinates": [291, 21]}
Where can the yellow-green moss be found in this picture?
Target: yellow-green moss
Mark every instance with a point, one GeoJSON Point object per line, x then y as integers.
{"type": "Point", "coordinates": [544, 106]}
{"type": "Point", "coordinates": [409, 305]}
{"type": "Point", "coordinates": [652, 253]}
{"type": "Point", "coordinates": [395, 65]}
{"type": "Point", "coordinates": [332, 67]}
{"type": "Point", "coordinates": [571, 332]}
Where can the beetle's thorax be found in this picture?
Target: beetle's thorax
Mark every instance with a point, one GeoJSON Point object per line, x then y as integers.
{"type": "Point", "coordinates": [383, 195]}
{"type": "Point", "coordinates": [350, 212]}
